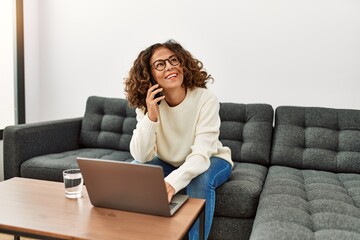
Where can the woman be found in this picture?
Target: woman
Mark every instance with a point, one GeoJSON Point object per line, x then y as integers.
{"type": "Point", "coordinates": [178, 123]}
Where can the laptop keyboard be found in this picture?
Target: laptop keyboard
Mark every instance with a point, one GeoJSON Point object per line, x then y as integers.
{"type": "Point", "coordinates": [172, 204]}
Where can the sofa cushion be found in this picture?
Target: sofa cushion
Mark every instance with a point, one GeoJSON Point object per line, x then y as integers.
{"type": "Point", "coordinates": [317, 138]}
{"type": "Point", "coordinates": [247, 130]}
{"type": "Point", "coordinates": [228, 228]}
{"type": "Point", "coordinates": [239, 196]}
{"type": "Point", "coordinates": [308, 204]}
{"type": "Point", "coordinates": [107, 123]}
{"type": "Point", "coordinates": [50, 166]}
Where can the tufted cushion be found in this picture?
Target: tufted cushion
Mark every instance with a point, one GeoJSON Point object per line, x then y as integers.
{"type": "Point", "coordinates": [107, 123]}
{"type": "Point", "coordinates": [247, 130]}
{"type": "Point", "coordinates": [317, 138]}
{"type": "Point", "coordinates": [50, 166]}
{"type": "Point", "coordinates": [308, 204]}
{"type": "Point", "coordinates": [246, 183]}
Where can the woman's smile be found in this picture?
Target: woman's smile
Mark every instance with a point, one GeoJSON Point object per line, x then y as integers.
{"type": "Point", "coordinates": [171, 75]}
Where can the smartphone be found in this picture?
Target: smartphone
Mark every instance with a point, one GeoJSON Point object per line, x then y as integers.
{"type": "Point", "coordinates": [153, 82]}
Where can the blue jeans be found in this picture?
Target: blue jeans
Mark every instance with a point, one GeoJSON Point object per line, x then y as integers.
{"type": "Point", "coordinates": [203, 186]}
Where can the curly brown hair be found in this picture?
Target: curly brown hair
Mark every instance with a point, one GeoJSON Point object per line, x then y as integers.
{"type": "Point", "coordinates": [138, 82]}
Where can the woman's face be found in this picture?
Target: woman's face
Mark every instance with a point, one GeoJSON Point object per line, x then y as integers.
{"type": "Point", "coordinates": [168, 74]}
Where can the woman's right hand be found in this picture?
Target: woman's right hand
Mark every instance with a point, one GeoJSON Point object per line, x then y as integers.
{"type": "Point", "coordinates": [151, 102]}
{"type": "Point", "coordinates": [170, 191]}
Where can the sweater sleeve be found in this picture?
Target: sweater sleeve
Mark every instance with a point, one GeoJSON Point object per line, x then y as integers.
{"type": "Point", "coordinates": [142, 144]}
{"type": "Point", "coordinates": [204, 146]}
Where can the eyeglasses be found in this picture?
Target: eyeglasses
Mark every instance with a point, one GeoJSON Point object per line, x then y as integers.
{"type": "Point", "coordinates": [161, 64]}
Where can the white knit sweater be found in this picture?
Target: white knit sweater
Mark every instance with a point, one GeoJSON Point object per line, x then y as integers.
{"type": "Point", "coordinates": [185, 136]}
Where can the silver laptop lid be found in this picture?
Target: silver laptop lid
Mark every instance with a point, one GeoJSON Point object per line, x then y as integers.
{"type": "Point", "coordinates": [126, 186]}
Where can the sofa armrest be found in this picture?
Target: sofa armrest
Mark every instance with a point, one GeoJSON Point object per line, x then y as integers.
{"type": "Point", "coordinates": [24, 141]}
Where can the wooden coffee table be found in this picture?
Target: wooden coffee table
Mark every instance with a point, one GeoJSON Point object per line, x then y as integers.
{"type": "Point", "coordinates": [39, 209]}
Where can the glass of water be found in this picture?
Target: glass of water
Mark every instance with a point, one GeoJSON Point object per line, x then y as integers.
{"type": "Point", "coordinates": [73, 182]}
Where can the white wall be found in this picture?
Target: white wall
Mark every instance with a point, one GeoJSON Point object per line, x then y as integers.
{"type": "Point", "coordinates": [7, 40]}
{"type": "Point", "coordinates": [7, 114]}
{"type": "Point", "coordinates": [300, 52]}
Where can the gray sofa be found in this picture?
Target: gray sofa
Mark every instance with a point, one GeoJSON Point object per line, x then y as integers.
{"type": "Point", "coordinates": [295, 178]}
{"type": "Point", "coordinates": [312, 190]}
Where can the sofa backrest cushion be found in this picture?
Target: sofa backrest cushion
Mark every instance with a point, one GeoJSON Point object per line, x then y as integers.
{"type": "Point", "coordinates": [107, 123]}
{"type": "Point", "coordinates": [317, 138]}
{"type": "Point", "coordinates": [247, 130]}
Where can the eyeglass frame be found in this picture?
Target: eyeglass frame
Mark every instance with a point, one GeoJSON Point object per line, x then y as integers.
{"type": "Point", "coordinates": [164, 61]}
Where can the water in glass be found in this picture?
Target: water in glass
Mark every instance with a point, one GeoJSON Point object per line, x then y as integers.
{"type": "Point", "coordinates": [73, 182]}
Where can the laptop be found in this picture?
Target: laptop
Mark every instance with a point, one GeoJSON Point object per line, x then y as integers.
{"type": "Point", "coordinates": [129, 187]}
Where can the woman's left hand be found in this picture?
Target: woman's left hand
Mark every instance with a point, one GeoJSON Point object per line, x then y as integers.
{"type": "Point", "coordinates": [170, 191]}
